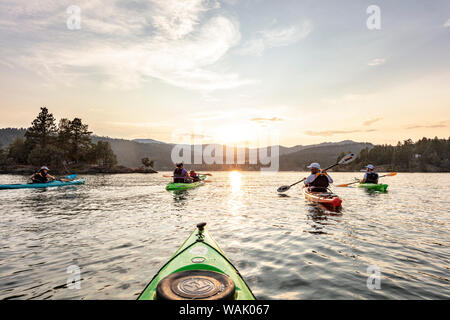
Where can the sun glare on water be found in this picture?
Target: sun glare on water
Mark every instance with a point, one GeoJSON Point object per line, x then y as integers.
{"type": "Point", "coordinates": [235, 181]}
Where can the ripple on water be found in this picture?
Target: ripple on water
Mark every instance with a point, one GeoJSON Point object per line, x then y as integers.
{"type": "Point", "coordinates": [120, 229]}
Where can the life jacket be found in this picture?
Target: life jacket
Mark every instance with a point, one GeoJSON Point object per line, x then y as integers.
{"type": "Point", "coordinates": [194, 176]}
{"type": "Point", "coordinates": [371, 177]}
{"type": "Point", "coordinates": [178, 175]}
{"type": "Point", "coordinates": [40, 177]}
{"type": "Point", "coordinates": [321, 181]}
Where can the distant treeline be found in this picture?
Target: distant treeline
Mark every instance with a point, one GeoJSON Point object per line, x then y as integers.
{"type": "Point", "coordinates": [425, 155]}
{"type": "Point", "coordinates": [66, 144]}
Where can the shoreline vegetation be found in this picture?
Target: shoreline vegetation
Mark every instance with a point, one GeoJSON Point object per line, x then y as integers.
{"type": "Point", "coordinates": [65, 148]}
{"type": "Point", "coordinates": [70, 147]}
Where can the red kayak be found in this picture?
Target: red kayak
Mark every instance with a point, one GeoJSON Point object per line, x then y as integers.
{"type": "Point", "coordinates": [325, 198]}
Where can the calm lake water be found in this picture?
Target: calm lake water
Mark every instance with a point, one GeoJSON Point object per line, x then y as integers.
{"type": "Point", "coordinates": [120, 229]}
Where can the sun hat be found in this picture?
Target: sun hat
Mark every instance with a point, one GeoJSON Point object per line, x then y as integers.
{"type": "Point", "coordinates": [314, 165]}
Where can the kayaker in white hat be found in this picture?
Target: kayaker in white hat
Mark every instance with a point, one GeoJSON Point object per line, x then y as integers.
{"type": "Point", "coordinates": [318, 180]}
{"type": "Point", "coordinates": [370, 176]}
{"type": "Point", "coordinates": [42, 176]}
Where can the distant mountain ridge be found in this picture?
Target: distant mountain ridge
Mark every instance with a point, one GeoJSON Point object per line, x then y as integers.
{"type": "Point", "coordinates": [8, 135]}
{"type": "Point", "coordinates": [130, 152]}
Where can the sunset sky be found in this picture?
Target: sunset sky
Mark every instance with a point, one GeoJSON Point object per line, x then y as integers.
{"type": "Point", "coordinates": [229, 71]}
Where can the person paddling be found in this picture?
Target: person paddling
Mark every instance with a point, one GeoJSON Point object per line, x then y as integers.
{"type": "Point", "coordinates": [370, 176]}
{"type": "Point", "coordinates": [42, 176]}
{"type": "Point", "coordinates": [194, 176]}
{"type": "Point", "coordinates": [180, 174]}
{"type": "Point", "coordinates": [318, 180]}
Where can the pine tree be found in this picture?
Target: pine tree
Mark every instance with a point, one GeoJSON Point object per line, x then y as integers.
{"type": "Point", "coordinates": [42, 131]}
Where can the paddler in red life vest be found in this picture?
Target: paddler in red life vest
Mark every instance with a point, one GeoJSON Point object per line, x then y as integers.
{"type": "Point", "coordinates": [194, 175]}
{"type": "Point", "coordinates": [370, 176]}
{"type": "Point", "coordinates": [180, 174]}
{"type": "Point", "coordinates": [42, 176]}
{"type": "Point", "coordinates": [318, 180]}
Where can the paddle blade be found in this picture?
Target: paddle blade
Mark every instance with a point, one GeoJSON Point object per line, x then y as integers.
{"type": "Point", "coordinates": [166, 176]}
{"type": "Point", "coordinates": [391, 174]}
{"type": "Point", "coordinates": [348, 158]}
{"type": "Point", "coordinates": [71, 177]}
{"type": "Point", "coordinates": [342, 185]}
{"type": "Point", "coordinates": [283, 188]}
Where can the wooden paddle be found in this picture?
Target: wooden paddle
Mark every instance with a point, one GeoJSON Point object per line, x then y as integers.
{"type": "Point", "coordinates": [347, 159]}
{"type": "Point", "coordinates": [347, 184]}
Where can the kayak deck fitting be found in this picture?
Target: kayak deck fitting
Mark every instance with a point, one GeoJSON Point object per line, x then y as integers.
{"type": "Point", "coordinates": [184, 186]}
{"type": "Point", "coordinates": [50, 184]}
{"type": "Point", "coordinates": [325, 198]}
{"type": "Point", "coordinates": [198, 270]}
{"type": "Point", "coordinates": [373, 186]}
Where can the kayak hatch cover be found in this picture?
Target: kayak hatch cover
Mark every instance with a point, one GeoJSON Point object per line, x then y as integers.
{"type": "Point", "coordinates": [198, 270]}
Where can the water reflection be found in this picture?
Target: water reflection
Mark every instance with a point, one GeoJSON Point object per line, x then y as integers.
{"type": "Point", "coordinates": [235, 181]}
{"type": "Point", "coordinates": [122, 228]}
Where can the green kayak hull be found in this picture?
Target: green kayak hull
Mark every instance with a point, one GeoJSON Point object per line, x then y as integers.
{"type": "Point", "coordinates": [372, 186]}
{"type": "Point", "coordinates": [50, 184]}
{"type": "Point", "coordinates": [199, 252]}
{"type": "Point", "coordinates": [185, 186]}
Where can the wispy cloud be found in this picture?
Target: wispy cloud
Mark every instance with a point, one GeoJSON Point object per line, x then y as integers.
{"type": "Point", "coordinates": [276, 37]}
{"type": "Point", "coordinates": [377, 62]}
{"type": "Point", "coordinates": [447, 23]}
{"type": "Point", "coordinates": [371, 121]}
{"type": "Point", "coordinates": [329, 133]}
{"type": "Point", "coordinates": [173, 41]}
{"type": "Point", "coordinates": [265, 120]}
{"type": "Point", "coordinates": [439, 124]}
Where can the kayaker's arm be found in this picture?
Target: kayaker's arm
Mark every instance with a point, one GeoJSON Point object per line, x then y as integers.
{"type": "Point", "coordinates": [364, 179]}
{"type": "Point", "coordinates": [188, 177]}
{"type": "Point", "coordinates": [309, 179]}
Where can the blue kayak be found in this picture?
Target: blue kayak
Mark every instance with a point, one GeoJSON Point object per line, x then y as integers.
{"type": "Point", "coordinates": [50, 184]}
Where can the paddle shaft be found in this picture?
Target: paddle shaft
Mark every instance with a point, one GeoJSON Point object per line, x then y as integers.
{"type": "Point", "coordinates": [305, 178]}
{"type": "Point", "coordinates": [347, 184]}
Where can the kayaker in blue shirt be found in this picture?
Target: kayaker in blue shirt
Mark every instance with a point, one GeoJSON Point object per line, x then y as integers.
{"type": "Point", "coordinates": [370, 176]}
{"type": "Point", "coordinates": [318, 180]}
{"type": "Point", "coordinates": [42, 176]}
{"type": "Point", "coordinates": [180, 174]}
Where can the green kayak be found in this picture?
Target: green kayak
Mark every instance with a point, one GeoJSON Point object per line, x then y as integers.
{"type": "Point", "coordinates": [372, 186]}
{"type": "Point", "coordinates": [198, 270]}
{"type": "Point", "coordinates": [184, 186]}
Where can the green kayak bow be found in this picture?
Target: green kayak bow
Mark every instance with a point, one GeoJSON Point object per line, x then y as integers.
{"type": "Point", "coordinates": [198, 270]}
